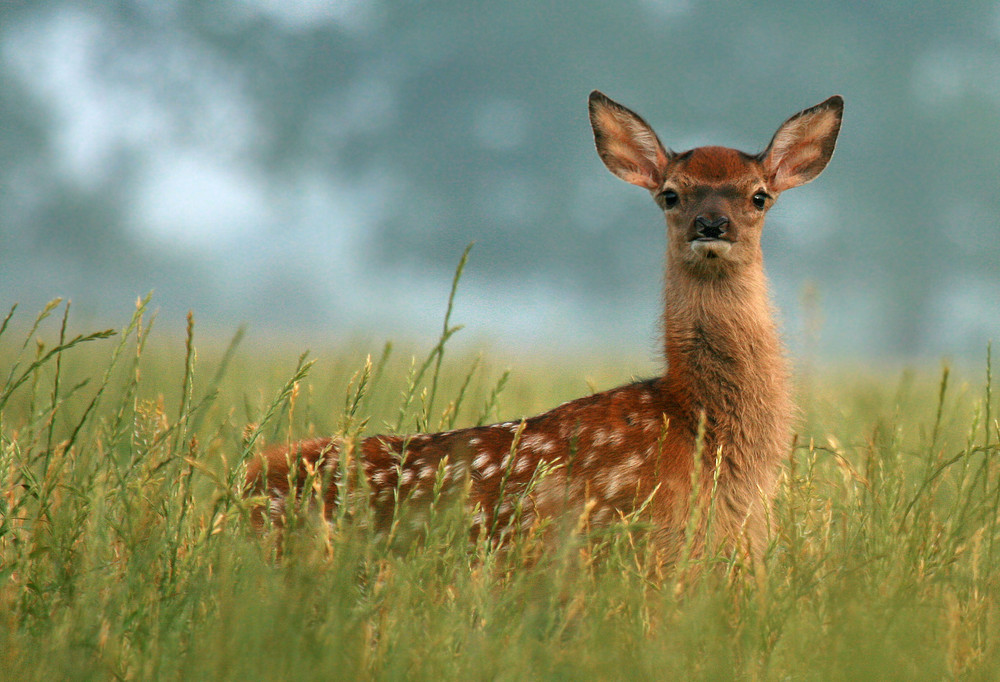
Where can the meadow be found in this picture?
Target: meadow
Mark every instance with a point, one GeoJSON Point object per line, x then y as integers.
{"type": "Point", "coordinates": [126, 550]}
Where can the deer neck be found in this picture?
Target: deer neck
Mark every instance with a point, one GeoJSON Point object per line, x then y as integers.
{"type": "Point", "coordinates": [724, 360]}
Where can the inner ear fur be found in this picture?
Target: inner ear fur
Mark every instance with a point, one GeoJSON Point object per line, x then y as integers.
{"type": "Point", "coordinates": [627, 144]}
{"type": "Point", "coordinates": [803, 145]}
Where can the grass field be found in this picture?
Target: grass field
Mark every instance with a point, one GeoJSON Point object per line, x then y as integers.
{"type": "Point", "coordinates": [126, 551]}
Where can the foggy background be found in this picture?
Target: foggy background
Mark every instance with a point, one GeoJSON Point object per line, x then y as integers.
{"type": "Point", "coordinates": [315, 169]}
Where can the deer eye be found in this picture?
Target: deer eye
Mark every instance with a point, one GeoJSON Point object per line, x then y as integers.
{"type": "Point", "coordinates": [760, 199]}
{"type": "Point", "coordinates": [669, 198]}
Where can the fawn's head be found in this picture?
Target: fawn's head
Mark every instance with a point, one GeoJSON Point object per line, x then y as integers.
{"type": "Point", "coordinates": [714, 198]}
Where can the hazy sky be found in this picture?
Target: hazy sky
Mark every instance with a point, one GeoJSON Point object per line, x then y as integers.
{"type": "Point", "coordinates": [316, 168]}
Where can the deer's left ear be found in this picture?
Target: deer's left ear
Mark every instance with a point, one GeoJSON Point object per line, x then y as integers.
{"type": "Point", "coordinates": [803, 145]}
{"type": "Point", "coordinates": [626, 144]}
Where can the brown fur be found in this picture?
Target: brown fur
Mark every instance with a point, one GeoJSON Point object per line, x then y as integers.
{"type": "Point", "coordinates": [614, 451]}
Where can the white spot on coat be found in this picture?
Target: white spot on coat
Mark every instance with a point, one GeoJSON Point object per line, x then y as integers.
{"type": "Point", "coordinates": [615, 483]}
{"type": "Point", "coordinates": [481, 460]}
{"type": "Point", "coordinates": [523, 464]}
{"type": "Point", "coordinates": [600, 438]}
{"type": "Point", "coordinates": [538, 443]}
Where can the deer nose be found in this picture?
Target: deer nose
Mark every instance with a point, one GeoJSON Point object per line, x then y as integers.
{"type": "Point", "coordinates": [711, 228]}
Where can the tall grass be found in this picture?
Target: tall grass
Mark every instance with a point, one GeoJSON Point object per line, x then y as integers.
{"type": "Point", "coordinates": [126, 549]}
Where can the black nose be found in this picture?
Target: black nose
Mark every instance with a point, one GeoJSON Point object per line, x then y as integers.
{"type": "Point", "coordinates": [711, 228]}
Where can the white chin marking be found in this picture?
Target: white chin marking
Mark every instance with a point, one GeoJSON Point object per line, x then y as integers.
{"type": "Point", "coordinates": [716, 248]}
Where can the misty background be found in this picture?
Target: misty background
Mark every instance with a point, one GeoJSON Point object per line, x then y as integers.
{"type": "Point", "coordinates": [315, 169]}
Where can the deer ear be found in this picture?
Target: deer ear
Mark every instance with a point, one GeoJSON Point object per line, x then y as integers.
{"type": "Point", "coordinates": [626, 143]}
{"type": "Point", "coordinates": [803, 145]}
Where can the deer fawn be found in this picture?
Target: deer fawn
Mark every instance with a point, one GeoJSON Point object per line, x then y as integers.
{"type": "Point", "coordinates": [725, 393]}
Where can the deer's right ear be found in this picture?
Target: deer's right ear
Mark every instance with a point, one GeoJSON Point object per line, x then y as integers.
{"type": "Point", "coordinates": [626, 143]}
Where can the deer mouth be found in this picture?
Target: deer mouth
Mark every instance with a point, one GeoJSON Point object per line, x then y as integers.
{"type": "Point", "coordinates": [709, 247]}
